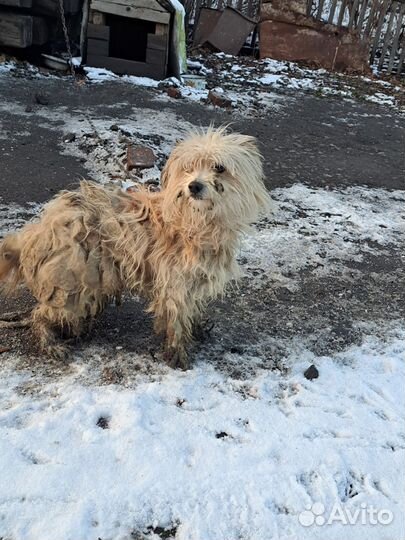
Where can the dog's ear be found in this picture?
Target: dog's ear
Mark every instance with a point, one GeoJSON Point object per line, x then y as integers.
{"type": "Point", "coordinates": [170, 172]}
{"type": "Point", "coordinates": [164, 177]}
{"type": "Point", "coordinates": [168, 169]}
{"type": "Point", "coordinates": [248, 142]}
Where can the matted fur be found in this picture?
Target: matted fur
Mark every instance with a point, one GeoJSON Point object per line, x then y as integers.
{"type": "Point", "coordinates": [176, 249]}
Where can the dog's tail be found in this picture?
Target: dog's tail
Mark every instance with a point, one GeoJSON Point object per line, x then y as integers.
{"type": "Point", "coordinates": [10, 273]}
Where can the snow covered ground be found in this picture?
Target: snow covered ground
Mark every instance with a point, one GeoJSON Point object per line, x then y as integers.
{"type": "Point", "coordinates": [201, 455]}
{"type": "Point", "coordinates": [259, 78]}
{"type": "Point", "coordinates": [116, 446]}
{"type": "Point", "coordinates": [208, 457]}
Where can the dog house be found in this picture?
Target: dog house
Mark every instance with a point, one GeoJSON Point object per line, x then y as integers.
{"type": "Point", "coordinates": [130, 36]}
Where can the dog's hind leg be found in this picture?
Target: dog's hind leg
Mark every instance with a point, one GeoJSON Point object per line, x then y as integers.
{"type": "Point", "coordinates": [22, 323]}
{"type": "Point", "coordinates": [15, 319]}
{"type": "Point", "coordinates": [45, 322]}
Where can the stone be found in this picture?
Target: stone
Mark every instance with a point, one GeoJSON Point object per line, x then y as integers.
{"type": "Point", "coordinates": [69, 137]}
{"type": "Point", "coordinates": [41, 99]}
{"type": "Point", "coordinates": [139, 157]}
{"type": "Point", "coordinates": [311, 373]}
{"type": "Point", "coordinates": [103, 422]}
{"type": "Point", "coordinates": [219, 99]}
{"type": "Point", "coordinates": [174, 92]}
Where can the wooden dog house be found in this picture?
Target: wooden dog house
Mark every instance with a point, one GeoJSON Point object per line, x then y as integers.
{"type": "Point", "coordinates": [130, 36]}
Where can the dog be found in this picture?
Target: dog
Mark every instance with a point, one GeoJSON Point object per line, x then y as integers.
{"type": "Point", "coordinates": [176, 247]}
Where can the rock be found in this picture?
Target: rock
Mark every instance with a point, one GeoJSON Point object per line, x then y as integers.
{"type": "Point", "coordinates": [174, 92]}
{"type": "Point", "coordinates": [70, 137]}
{"type": "Point", "coordinates": [311, 373]}
{"type": "Point", "coordinates": [139, 157]}
{"type": "Point", "coordinates": [219, 99]}
{"type": "Point", "coordinates": [41, 99]}
{"type": "Point", "coordinates": [103, 422]}
{"type": "Point", "coordinates": [114, 127]}
{"type": "Point", "coordinates": [28, 108]}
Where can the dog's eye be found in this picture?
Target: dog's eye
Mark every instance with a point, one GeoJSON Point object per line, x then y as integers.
{"type": "Point", "coordinates": [219, 169]}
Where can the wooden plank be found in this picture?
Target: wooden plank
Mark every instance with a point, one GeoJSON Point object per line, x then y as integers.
{"type": "Point", "coordinates": [353, 12]}
{"type": "Point", "coordinates": [162, 29]}
{"type": "Point", "coordinates": [401, 58]}
{"type": "Point", "coordinates": [98, 47]}
{"type": "Point", "coordinates": [141, 69]}
{"type": "Point", "coordinates": [370, 22]}
{"type": "Point", "coordinates": [16, 3]}
{"type": "Point", "coordinates": [142, 4]}
{"type": "Point", "coordinates": [155, 56]}
{"type": "Point", "coordinates": [380, 23]}
{"type": "Point", "coordinates": [97, 18]}
{"type": "Point", "coordinates": [98, 31]}
{"type": "Point", "coordinates": [395, 41]}
{"type": "Point", "coordinates": [332, 11]}
{"type": "Point", "coordinates": [16, 30]}
{"type": "Point", "coordinates": [388, 35]}
{"type": "Point", "coordinates": [361, 16]}
{"type": "Point", "coordinates": [341, 13]}
{"type": "Point", "coordinates": [40, 32]}
{"type": "Point", "coordinates": [157, 42]}
{"type": "Point", "coordinates": [128, 11]}
{"type": "Point", "coordinates": [320, 8]}
{"type": "Point", "coordinates": [51, 7]}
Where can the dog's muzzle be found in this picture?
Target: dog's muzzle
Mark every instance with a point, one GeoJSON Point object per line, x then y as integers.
{"type": "Point", "coordinates": [196, 189]}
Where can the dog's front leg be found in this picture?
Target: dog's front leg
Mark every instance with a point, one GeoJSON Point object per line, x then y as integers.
{"type": "Point", "coordinates": [175, 353]}
{"type": "Point", "coordinates": [178, 332]}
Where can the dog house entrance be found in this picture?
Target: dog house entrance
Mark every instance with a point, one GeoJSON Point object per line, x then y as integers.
{"type": "Point", "coordinates": [129, 37]}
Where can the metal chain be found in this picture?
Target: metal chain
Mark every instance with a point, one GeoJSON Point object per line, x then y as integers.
{"type": "Point", "coordinates": [66, 34]}
{"type": "Point", "coordinates": [78, 82]}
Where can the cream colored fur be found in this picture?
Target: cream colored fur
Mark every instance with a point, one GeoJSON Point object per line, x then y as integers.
{"type": "Point", "coordinates": [178, 251]}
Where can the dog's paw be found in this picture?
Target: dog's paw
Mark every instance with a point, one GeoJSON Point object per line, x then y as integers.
{"type": "Point", "coordinates": [176, 359]}
{"type": "Point", "coordinates": [57, 352]}
{"type": "Point", "coordinates": [202, 331]}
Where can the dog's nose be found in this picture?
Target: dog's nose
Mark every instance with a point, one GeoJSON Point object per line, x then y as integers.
{"type": "Point", "coordinates": [195, 187]}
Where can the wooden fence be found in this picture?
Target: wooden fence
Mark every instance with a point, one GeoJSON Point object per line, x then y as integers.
{"type": "Point", "coordinates": [249, 8]}
{"type": "Point", "coordinates": [380, 21]}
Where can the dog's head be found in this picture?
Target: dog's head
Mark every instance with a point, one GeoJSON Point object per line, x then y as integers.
{"type": "Point", "coordinates": [214, 175]}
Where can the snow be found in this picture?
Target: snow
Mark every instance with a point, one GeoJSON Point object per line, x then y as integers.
{"type": "Point", "coordinates": [270, 79]}
{"type": "Point", "coordinates": [214, 457]}
{"type": "Point", "coordinates": [381, 98]}
{"type": "Point", "coordinates": [200, 452]}
{"type": "Point", "coordinates": [323, 228]}
{"type": "Point", "coordinates": [6, 67]}
{"type": "Point", "coordinates": [14, 216]}
{"type": "Point", "coordinates": [263, 76]}
{"type": "Point", "coordinates": [100, 75]}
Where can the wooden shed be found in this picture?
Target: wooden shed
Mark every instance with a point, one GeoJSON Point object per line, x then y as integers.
{"type": "Point", "coordinates": [130, 36]}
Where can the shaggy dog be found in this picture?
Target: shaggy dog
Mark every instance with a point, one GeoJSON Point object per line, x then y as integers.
{"type": "Point", "coordinates": [175, 247]}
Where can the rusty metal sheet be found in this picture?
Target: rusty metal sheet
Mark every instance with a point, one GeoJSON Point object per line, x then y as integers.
{"type": "Point", "coordinates": [231, 31]}
{"type": "Point", "coordinates": [325, 46]}
{"type": "Point", "coordinates": [207, 20]}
